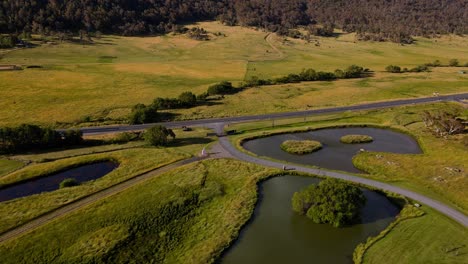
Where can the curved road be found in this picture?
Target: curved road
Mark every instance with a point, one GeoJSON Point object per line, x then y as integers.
{"type": "Point", "coordinates": [206, 122]}
{"type": "Point", "coordinates": [444, 209]}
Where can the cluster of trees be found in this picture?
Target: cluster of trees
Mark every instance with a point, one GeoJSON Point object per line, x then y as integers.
{"type": "Point", "coordinates": [395, 20]}
{"type": "Point", "coordinates": [425, 67]}
{"type": "Point", "coordinates": [398, 69]}
{"type": "Point", "coordinates": [158, 135]}
{"type": "Point", "coordinates": [142, 114]}
{"type": "Point", "coordinates": [8, 41]}
{"type": "Point", "coordinates": [331, 201]}
{"type": "Point", "coordinates": [198, 33]}
{"type": "Point", "coordinates": [308, 75]}
{"type": "Point", "coordinates": [443, 123]}
{"type": "Point", "coordinates": [29, 137]}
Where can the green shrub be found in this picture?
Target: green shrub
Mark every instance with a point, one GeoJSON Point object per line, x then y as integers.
{"type": "Point", "coordinates": [221, 88]}
{"type": "Point", "coordinates": [454, 63]}
{"type": "Point", "coordinates": [300, 147]}
{"type": "Point", "coordinates": [331, 201]}
{"type": "Point", "coordinates": [70, 182]}
{"type": "Point", "coordinates": [356, 139]}
{"type": "Point", "coordinates": [142, 114]}
{"type": "Point", "coordinates": [157, 135]}
{"type": "Point", "coordinates": [393, 69]}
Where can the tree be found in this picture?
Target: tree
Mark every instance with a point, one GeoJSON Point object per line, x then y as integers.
{"type": "Point", "coordinates": [454, 63]}
{"type": "Point", "coordinates": [221, 88]}
{"type": "Point", "coordinates": [353, 71]}
{"type": "Point", "coordinates": [142, 114]}
{"type": "Point", "coordinates": [393, 68]}
{"type": "Point", "coordinates": [157, 135]}
{"type": "Point", "coordinates": [187, 99]}
{"type": "Point", "coordinates": [331, 201]}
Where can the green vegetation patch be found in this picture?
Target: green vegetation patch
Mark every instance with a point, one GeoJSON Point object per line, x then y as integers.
{"type": "Point", "coordinates": [356, 139]}
{"type": "Point", "coordinates": [431, 238]}
{"type": "Point", "coordinates": [301, 147]}
{"type": "Point", "coordinates": [408, 212]}
{"type": "Point", "coordinates": [70, 182]}
{"type": "Point", "coordinates": [7, 166]}
{"type": "Point", "coordinates": [97, 243]}
{"type": "Point", "coordinates": [331, 201]}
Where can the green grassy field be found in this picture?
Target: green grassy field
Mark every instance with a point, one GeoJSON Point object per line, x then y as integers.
{"type": "Point", "coordinates": [431, 238]}
{"type": "Point", "coordinates": [158, 221]}
{"type": "Point", "coordinates": [101, 82]}
{"type": "Point", "coordinates": [7, 166]}
{"type": "Point", "coordinates": [132, 162]}
{"type": "Point", "coordinates": [434, 173]}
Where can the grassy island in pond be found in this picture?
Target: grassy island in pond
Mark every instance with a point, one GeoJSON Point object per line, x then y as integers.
{"type": "Point", "coordinates": [331, 201]}
{"type": "Point", "coordinates": [356, 139]}
{"type": "Point", "coordinates": [301, 147]}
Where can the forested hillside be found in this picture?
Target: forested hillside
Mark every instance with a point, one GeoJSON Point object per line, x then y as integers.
{"type": "Point", "coordinates": [394, 20]}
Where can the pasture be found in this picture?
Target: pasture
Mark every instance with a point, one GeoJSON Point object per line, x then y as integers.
{"type": "Point", "coordinates": [99, 83]}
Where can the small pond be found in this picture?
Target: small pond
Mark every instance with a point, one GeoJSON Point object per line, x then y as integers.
{"type": "Point", "coordinates": [334, 154]}
{"type": "Point", "coordinates": [276, 234]}
{"type": "Point", "coordinates": [50, 183]}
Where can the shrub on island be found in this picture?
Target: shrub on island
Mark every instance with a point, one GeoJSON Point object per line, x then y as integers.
{"type": "Point", "coordinates": [356, 139]}
{"type": "Point", "coordinates": [70, 182]}
{"type": "Point", "coordinates": [332, 201]}
{"type": "Point", "coordinates": [300, 147]}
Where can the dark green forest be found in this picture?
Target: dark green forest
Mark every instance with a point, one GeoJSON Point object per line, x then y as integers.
{"type": "Point", "coordinates": [394, 20]}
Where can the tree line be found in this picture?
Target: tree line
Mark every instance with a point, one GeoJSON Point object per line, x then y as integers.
{"type": "Point", "coordinates": [426, 67]}
{"type": "Point", "coordinates": [142, 113]}
{"type": "Point", "coordinates": [395, 20]}
{"type": "Point", "coordinates": [30, 137]}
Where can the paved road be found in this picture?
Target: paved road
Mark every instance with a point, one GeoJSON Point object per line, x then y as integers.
{"type": "Point", "coordinates": [230, 151]}
{"type": "Point", "coordinates": [48, 217]}
{"type": "Point", "coordinates": [205, 122]}
{"type": "Point", "coordinates": [444, 209]}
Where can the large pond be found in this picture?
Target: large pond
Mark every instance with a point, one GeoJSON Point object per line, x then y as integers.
{"type": "Point", "coordinates": [334, 154]}
{"type": "Point", "coordinates": [276, 234]}
{"type": "Point", "coordinates": [50, 183]}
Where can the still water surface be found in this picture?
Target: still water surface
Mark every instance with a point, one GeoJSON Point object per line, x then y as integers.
{"type": "Point", "coordinates": [278, 235]}
{"type": "Point", "coordinates": [50, 183]}
{"type": "Point", "coordinates": [334, 154]}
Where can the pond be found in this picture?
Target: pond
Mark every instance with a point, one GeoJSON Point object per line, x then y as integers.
{"type": "Point", "coordinates": [50, 183]}
{"type": "Point", "coordinates": [334, 154]}
{"type": "Point", "coordinates": [276, 234]}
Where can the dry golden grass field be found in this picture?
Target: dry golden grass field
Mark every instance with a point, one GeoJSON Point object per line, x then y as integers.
{"type": "Point", "coordinates": [102, 81]}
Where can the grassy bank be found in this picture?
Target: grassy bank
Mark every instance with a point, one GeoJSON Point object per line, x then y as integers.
{"type": "Point", "coordinates": [101, 82]}
{"type": "Point", "coordinates": [431, 238]}
{"type": "Point", "coordinates": [439, 173]}
{"type": "Point", "coordinates": [188, 215]}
